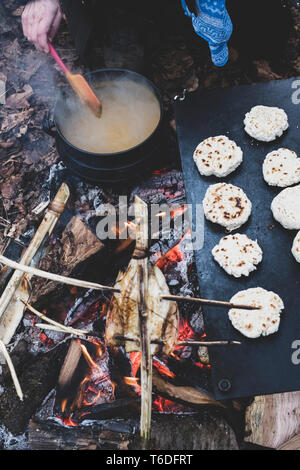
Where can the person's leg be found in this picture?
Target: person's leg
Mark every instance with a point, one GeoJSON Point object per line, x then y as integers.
{"type": "Point", "coordinates": [79, 16]}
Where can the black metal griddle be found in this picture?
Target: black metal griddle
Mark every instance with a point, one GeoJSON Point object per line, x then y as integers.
{"type": "Point", "coordinates": [264, 365]}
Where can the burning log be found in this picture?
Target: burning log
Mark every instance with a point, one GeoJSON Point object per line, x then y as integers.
{"type": "Point", "coordinates": [11, 309]}
{"type": "Point", "coordinates": [141, 213]}
{"type": "Point", "coordinates": [200, 431]}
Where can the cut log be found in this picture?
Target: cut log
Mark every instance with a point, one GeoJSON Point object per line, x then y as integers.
{"type": "Point", "coordinates": [272, 420]}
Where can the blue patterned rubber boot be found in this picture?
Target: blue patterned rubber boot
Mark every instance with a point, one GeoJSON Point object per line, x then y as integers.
{"type": "Point", "coordinates": [212, 22]}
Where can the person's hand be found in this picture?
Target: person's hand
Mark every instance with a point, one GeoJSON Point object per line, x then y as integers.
{"type": "Point", "coordinates": [40, 21]}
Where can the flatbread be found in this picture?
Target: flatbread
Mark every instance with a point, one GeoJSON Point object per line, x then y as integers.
{"type": "Point", "coordinates": [296, 247]}
{"type": "Point", "coordinates": [266, 123]}
{"type": "Point", "coordinates": [256, 323]}
{"type": "Point", "coordinates": [218, 156]}
{"type": "Point", "coordinates": [281, 168]}
{"type": "Point", "coordinates": [237, 254]}
{"type": "Point", "coordinates": [286, 208]}
{"type": "Point", "coordinates": [226, 205]}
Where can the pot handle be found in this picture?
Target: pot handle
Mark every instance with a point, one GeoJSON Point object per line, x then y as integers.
{"type": "Point", "coordinates": [49, 125]}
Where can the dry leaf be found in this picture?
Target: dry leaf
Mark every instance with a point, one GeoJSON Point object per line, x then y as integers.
{"type": "Point", "coordinates": [19, 100]}
{"type": "Point", "coordinates": [15, 119]}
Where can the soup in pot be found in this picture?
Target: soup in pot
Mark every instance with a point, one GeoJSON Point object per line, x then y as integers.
{"type": "Point", "coordinates": [130, 114]}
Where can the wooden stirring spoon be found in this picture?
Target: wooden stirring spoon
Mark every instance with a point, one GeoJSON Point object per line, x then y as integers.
{"type": "Point", "coordinates": [79, 85]}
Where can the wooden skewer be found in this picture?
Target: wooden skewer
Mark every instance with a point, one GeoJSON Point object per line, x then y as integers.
{"type": "Point", "coordinates": [208, 343]}
{"type": "Point", "coordinates": [55, 277]}
{"type": "Point", "coordinates": [217, 303]}
{"type": "Point", "coordinates": [45, 326]}
{"type": "Point", "coordinates": [12, 370]}
{"type": "Point", "coordinates": [63, 328]}
{"type": "Point", "coordinates": [185, 343]}
{"type": "Point", "coordinates": [141, 215]}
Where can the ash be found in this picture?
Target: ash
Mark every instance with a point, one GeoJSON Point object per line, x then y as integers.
{"type": "Point", "coordinates": [10, 442]}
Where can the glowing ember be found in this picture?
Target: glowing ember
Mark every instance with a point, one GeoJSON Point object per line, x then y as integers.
{"type": "Point", "coordinates": [185, 332]}
{"type": "Point", "coordinates": [173, 256]}
{"type": "Point", "coordinates": [68, 421]}
{"type": "Point", "coordinates": [178, 211]}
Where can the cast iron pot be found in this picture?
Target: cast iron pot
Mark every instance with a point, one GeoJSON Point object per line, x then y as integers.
{"type": "Point", "coordinates": [112, 167]}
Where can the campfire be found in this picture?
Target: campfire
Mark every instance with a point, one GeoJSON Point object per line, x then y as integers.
{"type": "Point", "coordinates": [102, 373]}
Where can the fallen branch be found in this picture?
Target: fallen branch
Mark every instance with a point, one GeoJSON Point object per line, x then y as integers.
{"type": "Point", "coordinates": [55, 325]}
{"type": "Point", "coordinates": [55, 277]}
{"type": "Point", "coordinates": [12, 370]}
{"type": "Point", "coordinates": [11, 309]}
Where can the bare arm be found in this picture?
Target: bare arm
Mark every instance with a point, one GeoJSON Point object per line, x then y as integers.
{"type": "Point", "coordinates": [40, 21]}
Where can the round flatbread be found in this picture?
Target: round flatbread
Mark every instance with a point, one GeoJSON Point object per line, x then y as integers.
{"type": "Point", "coordinates": [226, 205]}
{"type": "Point", "coordinates": [218, 156]}
{"type": "Point", "coordinates": [254, 323]}
{"type": "Point", "coordinates": [296, 247]}
{"type": "Point", "coordinates": [281, 168]}
{"type": "Point", "coordinates": [286, 208]}
{"type": "Point", "coordinates": [237, 254]}
{"type": "Point", "coordinates": [266, 123]}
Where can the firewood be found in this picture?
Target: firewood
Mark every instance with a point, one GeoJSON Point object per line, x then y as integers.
{"type": "Point", "coordinates": [55, 277]}
{"type": "Point", "coordinates": [12, 370]}
{"type": "Point", "coordinates": [70, 363]}
{"type": "Point", "coordinates": [11, 309]}
{"type": "Point", "coordinates": [272, 420]}
{"type": "Point", "coordinates": [183, 343]}
{"type": "Point", "coordinates": [185, 394]}
{"type": "Point", "coordinates": [46, 326]}
{"type": "Point", "coordinates": [199, 431]}
{"type": "Point", "coordinates": [55, 325]}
